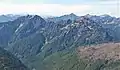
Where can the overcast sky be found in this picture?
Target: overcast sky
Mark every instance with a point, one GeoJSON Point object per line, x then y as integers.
{"type": "Point", "coordinates": [59, 7]}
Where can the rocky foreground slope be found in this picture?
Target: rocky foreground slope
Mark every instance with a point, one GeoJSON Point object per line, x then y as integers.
{"type": "Point", "coordinates": [100, 57]}
{"type": "Point", "coordinates": [109, 51]}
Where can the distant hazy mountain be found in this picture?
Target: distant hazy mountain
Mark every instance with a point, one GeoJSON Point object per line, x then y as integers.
{"type": "Point", "coordinates": [71, 16]}
{"type": "Point", "coordinates": [35, 40]}
{"type": "Point", "coordinates": [9, 17]}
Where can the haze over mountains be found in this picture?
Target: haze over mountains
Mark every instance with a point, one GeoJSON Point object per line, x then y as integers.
{"type": "Point", "coordinates": [52, 43]}
{"type": "Point", "coordinates": [8, 17]}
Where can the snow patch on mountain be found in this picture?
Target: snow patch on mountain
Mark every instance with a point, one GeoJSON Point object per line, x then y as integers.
{"type": "Point", "coordinates": [19, 27]}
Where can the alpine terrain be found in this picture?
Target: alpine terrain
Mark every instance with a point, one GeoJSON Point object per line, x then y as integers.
{"type": "Point", "coordinates": [67, 42]}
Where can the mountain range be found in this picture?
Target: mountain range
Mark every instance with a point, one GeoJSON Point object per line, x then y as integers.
{"type": "Point", "coordinates": [52, 43]}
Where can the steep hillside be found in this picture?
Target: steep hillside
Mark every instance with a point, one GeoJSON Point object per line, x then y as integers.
{"type": "Point", "coordinates": [9, 62]}
{"type": "Point", "coordinates": [101, 57]}
{"type": "Point", "coordinates": [95, 57]}
{"type": "Point", "coordinates": [109, 51]}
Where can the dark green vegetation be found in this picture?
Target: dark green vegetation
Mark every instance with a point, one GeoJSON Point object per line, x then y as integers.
{"type": "Point", "coordinates": [57, 61]}
{"type": "Point", "coordinates": [9, 62]}
{"type": "Point", "coordinates": [46, 44]}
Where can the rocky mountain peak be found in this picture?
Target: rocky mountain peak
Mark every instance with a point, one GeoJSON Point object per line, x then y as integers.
{"type": "Point", "coordinates": [36, 17]}
{"type": "Point", "coordinates": [72, 14]}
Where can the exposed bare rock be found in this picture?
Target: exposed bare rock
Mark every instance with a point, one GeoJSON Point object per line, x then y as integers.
{"type": "Point", "coordinates": [105, 51]}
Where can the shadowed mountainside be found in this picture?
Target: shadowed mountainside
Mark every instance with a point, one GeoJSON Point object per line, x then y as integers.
{"type": "Point", "coordinates": [9, 62]}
